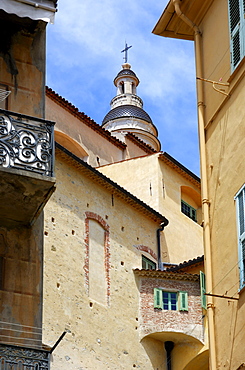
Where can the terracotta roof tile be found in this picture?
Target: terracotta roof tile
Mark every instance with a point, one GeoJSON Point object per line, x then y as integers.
{"type": "Point", "coordinates": [83, 117]}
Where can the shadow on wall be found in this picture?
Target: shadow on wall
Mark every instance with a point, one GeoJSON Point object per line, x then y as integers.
{"type": "Point", "coordinates": [156, 352]}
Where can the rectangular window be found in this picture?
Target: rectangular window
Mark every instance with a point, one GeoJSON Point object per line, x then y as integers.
{"type": "Point", "coordinates": [170, 300]}
{"type": "Point", "coordinates": [237, 39]}
{"type": "Point", "coordinates": [188, 210]}
{"type": "Point", "coordinates": [240, 203]}
{"type": "Point", "coordinates": [147, 264]}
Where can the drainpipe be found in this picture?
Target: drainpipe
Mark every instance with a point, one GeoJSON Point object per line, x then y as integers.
{"type": "Point", "coordinates": [203, 164]}
{"type": "Point", "coordinates": [161, 228]}
{"type": "Point", "coordinates": [169, 347]}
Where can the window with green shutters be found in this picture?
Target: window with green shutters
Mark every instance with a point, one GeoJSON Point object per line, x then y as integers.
{"type": "Point", "coordinates": [203, 290]}
{"type": "Point", "coordinates": [170, 300]}
{"type": "Point", "coordinates": [237, 36]}
{"type": "Point", "coordinates": [158, 302]}
{"type": "Point", "coordinates": [240, 203]}
{"type": "Point", "coordinates": [183, 301]}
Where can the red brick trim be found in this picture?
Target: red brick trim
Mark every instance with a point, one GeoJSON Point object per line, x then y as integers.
{"type": "Point", "coordinates": [147, 250]}
{"type": "Point", "coordinates": [105, 226]}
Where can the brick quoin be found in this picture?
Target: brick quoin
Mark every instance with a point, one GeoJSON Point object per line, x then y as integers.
{"type": "Point", "coordinates": [106, 227]}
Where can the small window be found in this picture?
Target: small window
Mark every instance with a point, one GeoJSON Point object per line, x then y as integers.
{"type": "Point", "coordinates": [203, 290]}
{"type": "Point", "coordinates": [170, 300]}
{"type": "Point", "coordinates": [240, 203]}
{"type": "Point", "coordinates": [147, 264]}
{"type": "Point", "coordinates": [188, 210]}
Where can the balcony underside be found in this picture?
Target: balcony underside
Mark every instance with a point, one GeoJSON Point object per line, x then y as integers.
{"type": "Point", "coordinates": [189, 352]}
{"type": "Point", "coordinates": [23, 196]}
{"type": "Point", "coordinates": [22, 358]}
{"type": "Point", "coordinates": [176, 337]}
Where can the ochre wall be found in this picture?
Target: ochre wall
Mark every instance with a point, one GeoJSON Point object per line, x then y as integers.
{"type": "Point", "coordinates": [94, 144]}
{"type": "Point", "coordinates": [159, 185]}
{"type": "Point", "coordinates": [225, 142]}
{"type": "Point", "coordinates": [102, 335]}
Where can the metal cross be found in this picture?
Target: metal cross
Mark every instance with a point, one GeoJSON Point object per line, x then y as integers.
{"type": "Point", "coordinates": [126, 52]}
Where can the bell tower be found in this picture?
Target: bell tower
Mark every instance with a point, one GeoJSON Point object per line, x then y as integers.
{"type": "Point", "coordinates": [127, 114]}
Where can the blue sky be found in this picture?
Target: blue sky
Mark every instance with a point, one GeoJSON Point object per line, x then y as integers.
{"type": "Point", "coordinates": [84, 55]}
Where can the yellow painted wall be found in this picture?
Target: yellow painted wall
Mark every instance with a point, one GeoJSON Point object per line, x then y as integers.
{"type": "Point", "coordinates": [101, 336]}
{"type": "Point", "coordinates": [159, 185]}
{"type": "Point", "coordinates": [225, 142]}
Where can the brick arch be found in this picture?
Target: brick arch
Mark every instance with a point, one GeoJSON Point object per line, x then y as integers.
{"type": "Point", "coordinates": [98, 218]}
{"type": "Point", "coordinates": [95, 217]}
{"type": "Point", "coordinates": [148, 250]}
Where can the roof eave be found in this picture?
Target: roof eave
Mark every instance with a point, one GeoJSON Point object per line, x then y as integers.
{"type": "Point", "coordinates": [169, 16]}
{"type": "Point", "coordinates": [111, 185]}
{"type": "Point", "coordinates": [171, 25]}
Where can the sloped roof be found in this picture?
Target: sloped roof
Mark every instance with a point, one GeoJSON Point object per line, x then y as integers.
{"type": "Point", "coordinates": [167, 158]}
{"type": "Point", "coordinates": [186, 264]}
{"type": "Point", "coordinates": [83, 117]}
{"type": "Point", "coordinates": [140, 143]}
{"type": "Point", "coordinates": [170, 275]}
{"type": "Point", "coordinates": [104, 181]}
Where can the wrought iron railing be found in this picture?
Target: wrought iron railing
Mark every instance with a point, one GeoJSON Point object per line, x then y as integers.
{"type": "Point", "coordinates": [26, 143]}
{"type": "Point", "coordinates": [21, 358]}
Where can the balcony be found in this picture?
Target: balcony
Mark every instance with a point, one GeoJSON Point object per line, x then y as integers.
{"type": "Point", "coordinates": [21, 358]}
{"type": "Point", "coordinates": [26, 167]}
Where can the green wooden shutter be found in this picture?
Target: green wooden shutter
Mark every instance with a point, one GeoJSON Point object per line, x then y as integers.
{"type": "Point", "coordinates": [240, 202]}
{"type": "Point", "coordinates": [183, 301]}
{"type": "Point", "coordinates": [158, 302]}
{"type": "Point", "coordinates": [236, 22]}
{"type": "Point", "coordinates": [203, 290]}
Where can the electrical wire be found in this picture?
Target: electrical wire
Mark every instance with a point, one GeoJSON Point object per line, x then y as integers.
{"type": "Point", "coordinates": [237, 263]}
{"type": "Point", "coordinates": [227, 50]}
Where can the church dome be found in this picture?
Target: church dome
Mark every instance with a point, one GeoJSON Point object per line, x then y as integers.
{"type": "Point", "coordinates": [127, 114]}
{"type": "Point", "coordinates": [125, 72]}
{"type": "Point", "coordinates": [123, 111]}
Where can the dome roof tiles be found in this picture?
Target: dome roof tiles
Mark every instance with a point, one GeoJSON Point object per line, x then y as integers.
{"type": "Point", "coordinates": [127, 111]}
{"type": "Point", "coordinates": [126, 72]}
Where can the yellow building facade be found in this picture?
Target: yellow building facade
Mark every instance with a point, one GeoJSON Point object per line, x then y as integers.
{"type": "Point", "coordinates": [101, 249]}
{"type": "Point", "coordinates": [217, 28]}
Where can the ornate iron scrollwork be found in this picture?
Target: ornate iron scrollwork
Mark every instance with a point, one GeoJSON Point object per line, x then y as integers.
{"type": "Point", "coordinates": [26, 143]}
{"type": "Point", "coordinates": [20, 358]}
